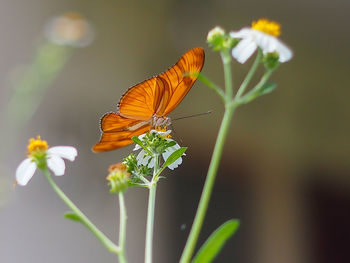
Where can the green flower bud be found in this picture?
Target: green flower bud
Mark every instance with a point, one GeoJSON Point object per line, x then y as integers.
{"type": "Point", "coordinates": [271, 60]}
{"type": "Point", "coordinates": [216, 38]}
{"type": "Point", "coordinates": [118, 178]}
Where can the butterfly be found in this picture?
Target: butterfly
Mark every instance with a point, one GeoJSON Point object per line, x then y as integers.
{"type": "Point", "coordinates": [148, 103]}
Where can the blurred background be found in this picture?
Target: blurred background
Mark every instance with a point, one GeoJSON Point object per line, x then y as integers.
{"type": "Point", "coordinates": [285, 171]}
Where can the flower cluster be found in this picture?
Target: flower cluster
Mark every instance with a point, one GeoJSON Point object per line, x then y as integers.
{"type": "Point", "coordinates": [262, 34]}
{"type": "Point", "coordinates": [157, 142]}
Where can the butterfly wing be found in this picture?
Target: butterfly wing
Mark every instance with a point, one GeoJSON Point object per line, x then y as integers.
{"type": "Point", "coordinates": [141, 100]}
{"type": "Point", "coordinates": [175, 83]}
{"type": "Point", "coordinates": [161, 94]}
{"type": "Point", "coordinates": [117, 131]}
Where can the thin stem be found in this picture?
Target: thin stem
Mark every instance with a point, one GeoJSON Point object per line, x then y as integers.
{"type": "Point", "coordinates": [226, 59]}
{"type": "Point", "coordinates": [104, 240]}
{"type": "Point", "coordinates": [143, 179]}
{"type": "Point", "coordinates": [122, 228]}
{"type": "Point", "coordinates": [214, 164]}
{"type": "Point", "coordinates": [250, 74]}
{"type": "Point", "coordinates": [150, 223]}
{"type": "Point", "coordinates": [150, 212]}
{"type": "Point", "coordinates": [212, 86]}
{"type": "Point", "coordinates": [258, 86]}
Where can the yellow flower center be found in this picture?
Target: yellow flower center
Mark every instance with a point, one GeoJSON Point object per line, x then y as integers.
{"type": "Point", "coordinates": [36, 145]}
{"type": "Point", "coordinates": [162, 129]}
{"type": "Point", "coordinates": [269, 27]}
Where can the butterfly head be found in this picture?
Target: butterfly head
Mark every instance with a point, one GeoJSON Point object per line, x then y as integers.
{"type": "Point", "coordinates": [157, 121]}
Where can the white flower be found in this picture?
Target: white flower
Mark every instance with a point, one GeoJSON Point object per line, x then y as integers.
{"type": "Point", "coordinates": [144, 159]}
{"type": "Point", "coordinates": [39, 153]}
{"type": "Point", "coordinates": [262, 34]}
{"type": "Point", "coordinates": [70, 29]}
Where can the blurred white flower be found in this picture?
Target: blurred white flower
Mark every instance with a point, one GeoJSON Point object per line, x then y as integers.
{"type": "Point", "coordinates": [262, 34]}
{"type": "Point", "coordinates": [39, 155]}
{"type": "Point", "coordinates": [70, 29]}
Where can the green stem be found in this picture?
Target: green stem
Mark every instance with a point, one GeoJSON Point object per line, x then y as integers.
{"type": "Point", "coordinates": [104, 240]}
{"type": "Point", "coordinates": [226, 59]}
{"type": "Point", "coordinates": [150, 212]}
{"type": "Point", "coordinates": [262, 82]}
{"type": "Point", "coordinates": [214, 164]}
{"type": "Point", "coordinates": [253, 93]}
{"type": "Point", "coordinates": [208, 187]}
{"type": "Point", "coordinates": [250, 74]}
{"type": "Point", "coordinates": [212, 86]}
{"type": "Point", "coordinates": [122, 228]}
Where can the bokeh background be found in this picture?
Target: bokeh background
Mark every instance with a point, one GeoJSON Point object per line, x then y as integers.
{"type": "Point", "coordinates": [285, 171]}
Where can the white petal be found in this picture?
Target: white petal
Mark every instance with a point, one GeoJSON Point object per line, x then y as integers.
{"type": "Point", "coordinates": [151, 163]}
{"type": "Point", "coordinates": [243, 33]}
{"type": "Point", "coordinates": [141, 136]}
{"type": "Point", "coordinates": [161, 133]}
{"type": "Point", "coordinates": [141, 158]}
{"type": "Point", "coordinates": [25, 171]}
{"type": "Point", "coordinates": [284, 52]}
{"type": "Point", "coordinates": [244, 49]}
{"type": "Point", "coordinates": [265, 42]}
{"type": "Point", "coordinates": [137, 147]}
{"type": "Point", "coordinates": [175, 164]}
{"type": "Point", "coordinates": [56, 164]}
{"type": "Point", "coordinates": [67, 152]}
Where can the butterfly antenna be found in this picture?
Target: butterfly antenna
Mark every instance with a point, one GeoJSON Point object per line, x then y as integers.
{"type": "Point", "coordinates": [194, 115]}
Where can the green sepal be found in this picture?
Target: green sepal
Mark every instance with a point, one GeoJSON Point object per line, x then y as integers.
{"type": "Point", "coordinates": [265, 89]}
{"type": "Point", "coordinates": [72, 216]}
{"type": "Point", "coordinates": [215, 242]}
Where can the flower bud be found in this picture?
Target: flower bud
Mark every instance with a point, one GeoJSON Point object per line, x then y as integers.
{"type": "Point", "coordinates": [118, 178]}
{"type": "Point", "coordinates": [216, 38]}
{"type": "Point", "coordinates": [271, 60]}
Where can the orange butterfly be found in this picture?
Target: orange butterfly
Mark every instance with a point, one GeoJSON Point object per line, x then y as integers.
{"type": "Point", "coordinates": [148, 103]}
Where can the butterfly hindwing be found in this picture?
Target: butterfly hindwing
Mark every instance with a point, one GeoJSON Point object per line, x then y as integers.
{"type": "Point", "coordinates": [117, 132]}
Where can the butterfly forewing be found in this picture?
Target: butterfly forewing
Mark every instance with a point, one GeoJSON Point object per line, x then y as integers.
{"type": "Point", "coordinates": [137, 102]}
{"type": "Point", "coordinates": [190, 63]}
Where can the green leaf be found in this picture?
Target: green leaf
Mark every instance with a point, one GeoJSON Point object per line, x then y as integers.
{"type": "Point", "coordinates": [137, 141]}
{"type": "Point", "coordinates": [72, 216]}
{"type": "Point", "coordinates": [265, 89]}
{"type": "Point", "coordinates": [215, 242]}
{"type": "Point", "coordinates": [169, 144]}
{"type": "Point", "coordinates": [174, 156]}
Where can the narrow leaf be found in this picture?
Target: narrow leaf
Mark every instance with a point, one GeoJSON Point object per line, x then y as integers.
{"type": "Point", "coordinates": [174, 156]}
{"type": "Point", "coordinates": [137, 141]}
{"type": "Point", "coordinates": [169, 144]}
{"type": "Point", "coordinates": [215, 242]}
{"type": "Point", "coordinates": [72, 216]}
{"type": "Point", "coordinates": [265, 89]}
